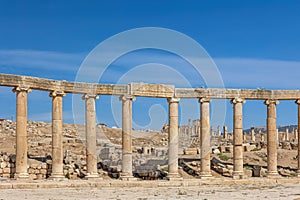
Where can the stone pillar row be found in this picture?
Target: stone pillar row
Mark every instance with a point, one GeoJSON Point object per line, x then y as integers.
{"type": "Point", "coordinates": [91, 154]}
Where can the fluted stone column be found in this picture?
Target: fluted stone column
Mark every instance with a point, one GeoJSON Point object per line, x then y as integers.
{"type": "Point", "coordinates": [21, 132]}
{"type": "Point", "coordinates": [205, 138]}
{"type": "Point", "coordinates": [298, 137]}
{"type": "Point", "coordinates": [173, 139]}
{"type": "Point", "coordinates": [271, 137]}
{"type": "Point", "coordinates": [90, 131]}
{"type": "Point", "coordinates": [238, 171]}
{"type": "Point", "coordinates": [57, 136]}
{"type": "Point", "coordinates": [126, 137]}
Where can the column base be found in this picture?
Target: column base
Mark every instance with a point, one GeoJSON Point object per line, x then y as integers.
{"type": "Point", "coordinates": [298, 174]}
{"type": "Point", "coordinates": [174, 177]}
{"type": "Point", "coordinates": [21, 176]}
{"type": "Point", "coordinates": [272, 174]}
{"type": "Point", "coordinates": [127, 177]}
{"type": "Point", "coordinates": [238, 175]}
{"type": "Point", "coordinates": [57, 177]}
{"type": "Point", "coordinates": [93, 176]}
{"type": "Point", "coordinates": [205, 175]}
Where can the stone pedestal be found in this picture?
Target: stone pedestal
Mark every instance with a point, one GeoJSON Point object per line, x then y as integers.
{"type": "Point", "coordinates": [271, 138]}
{"type": "Point", "coordinates": [57, 136]}
{"type": "Point", "coordinates": [173, 139]}
{"type": "Point", "coordinates": [298, 137]}
{"type": "Point", "coordinates": [90, 130]}
{"type": "Point", "coordinates": [238, 171]}
{"type": "Point", "coordinates": [21, 132]}
{"type": "Point", "coordinates": [126, 173]}
{"type": "Point", "coordinates": [205, 138]}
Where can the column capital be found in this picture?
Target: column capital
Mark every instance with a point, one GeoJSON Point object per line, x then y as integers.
{"type": "Point", "coordinates": [271, 101]}
{"type": "Point", "coordinates": [89, 96]}
{"type": "Point", "coordinates": [204, 100]}
{"type": "Point", "coordinates": [173, 100]}
{"type": "Point", "coordinates": [21, 88]}
{"type": "Point", "coordinates": [127, 97]}
{"type": "Point", "coordinates": [57, 93]}
{"type": "Point", "coordinates": [237, 100]}
{"type": "Point", "coordinates": [297, 101]}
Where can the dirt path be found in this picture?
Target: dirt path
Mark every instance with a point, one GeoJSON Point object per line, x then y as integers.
{"type": "Point", "coordinates": [286, 192]}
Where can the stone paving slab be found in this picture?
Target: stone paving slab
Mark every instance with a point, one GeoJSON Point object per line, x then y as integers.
{"type": "Point", "coordinates": [13, 184]}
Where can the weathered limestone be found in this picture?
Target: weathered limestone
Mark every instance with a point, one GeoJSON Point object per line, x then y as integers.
{"type": "Point", "coordinates": [271, 137]}
{"type": "Point", "coordinates": [252, 134]}
{"type": "Point", "coordinates": [126, 137]}
{"type": "Point", "coordinates": [238, 171]}
{"type": "Point", "coordinates": [262, 136]}
{"type": "Point", "coordinates": [212, 131]}
{"type": "Point", "coordinates": [287, 135]}
{"type": "Point", "coordinates": [219, 131]}
{"type": "Point", "coordinates": [173, 139]}
{"type": "Point", "coordinates": [90, 127]}
{"type": "Point", "coordinates": [244, 136]}
{"type": "Point", "coordinates": [57, 131]}
{"type": "Point", "coordinates": [205, 138]}
{"type": "Point", "coordinates": [298, 137]}
{"type": "Point", "coordinates": [21, 130]}
{"type": "Point", "coordinates": [225, 132]}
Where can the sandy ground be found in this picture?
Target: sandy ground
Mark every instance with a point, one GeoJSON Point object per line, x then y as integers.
{"type": "Point", "coordinates": [251, 192]}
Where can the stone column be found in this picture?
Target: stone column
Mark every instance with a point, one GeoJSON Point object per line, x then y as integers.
{"type": "Point", "coordinates": [57, 136]}
{"type": "Point", "coordinates": [287, 135]}
{"type": "Point", "coordinates": [21, 132]}
{"type": "Point", "coordinates": [90, 131]}
{"type": "Point", "coordinates": [238, 170]}
{"type": "Point", "coordinates": [205, 138]}
{"type": "Point", "coordinates": [126, 137]}
{"type": "Point", "coordinates": [271, 137]}
{"type": "Point", "coordinates": [244, 136]}
{"type": "Point", "coordinates": [225, 131]}
{"type": "Point", "coordinates": [252, 134]}
{"type": "Point", "coordinates": [219, 131]}
{"type": "Point", "coordinates": [173, 139]}
{"type": "Point", "coordinates": [298, 137]}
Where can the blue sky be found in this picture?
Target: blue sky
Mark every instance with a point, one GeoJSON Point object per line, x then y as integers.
{"type": "Point", "coordinates": [253, 43]}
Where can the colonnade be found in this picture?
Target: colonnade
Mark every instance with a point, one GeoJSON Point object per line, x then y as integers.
{"type": "Point", "coordinates": [205, 171]}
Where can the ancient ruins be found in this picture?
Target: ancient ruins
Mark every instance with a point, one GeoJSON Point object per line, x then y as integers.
{"type": "Point", "coordinates": [175, 137]}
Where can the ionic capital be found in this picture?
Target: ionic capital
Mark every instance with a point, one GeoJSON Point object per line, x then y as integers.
{"type": "Point", "coordinates": [237, 100]}
{"type": "Point", "coordinates": [271, 101]}
{"type": "Point", "coordinates": [204, 100]}
{"type": "Point", "coordinates": [297, 101]}
{"type": "Point", "coordinates": [21, 89]}
{"type": "Point", "coordinates": [57, 94]}
{"type": "Point", "coordinates": [173, 100]}
{"type": "Point", "coordinates": [89, 96]}
{"type": "Point", "coordinates": [127, 98]}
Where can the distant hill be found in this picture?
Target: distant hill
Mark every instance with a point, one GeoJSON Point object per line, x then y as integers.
{"type": "Point", "coordinates": [264, 129]}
